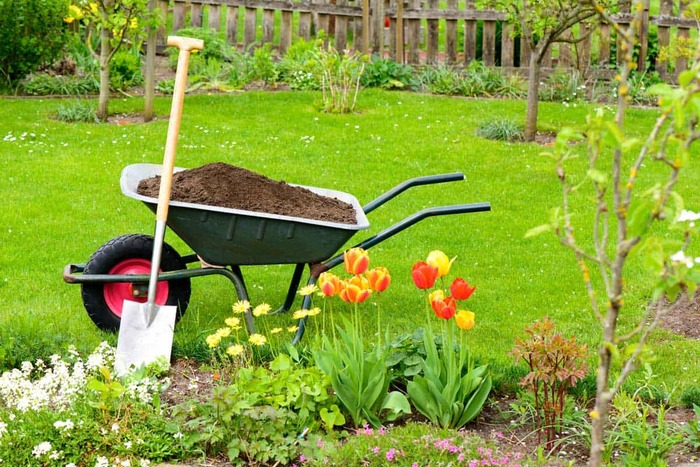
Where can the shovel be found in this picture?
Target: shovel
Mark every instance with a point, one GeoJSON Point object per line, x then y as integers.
{"type": "Point", "coordinates": [146, 329]}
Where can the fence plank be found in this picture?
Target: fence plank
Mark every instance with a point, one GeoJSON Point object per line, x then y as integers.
{"type": "Point", "coordinates": [451, 35]}
{"type": "Point", "coordinates": [525, 53]}
{"type": "Point", "coordinates": [249, 26]}
{"type": "Point", "coordinates": [305, 26]}
{"type": "Point", "coordinates": [285, 31]}
{"type": "Point", "coordinates": [179, 13]}
{"type": "Point", "coordinates": [469, 37]}
{"type": "Point", "coordinates": [377, 21]}
{"type": "Point", "coordinates": [682, 37]}
{"type": "Point", "coordinates": [582, 50]}
{"type": "Point", "coordinates": [215, 17]}
{"type": "Point", "coordinates": [232, 25]}
{"type": "Point", "coordinates": [433, 36]}
{"type": "Point", "coordinates": [507, 45]}
{"type": "Point", "coordinates": [664, 36]}
{"type": "Point", "coordinates": [414, 36]}
{"type": "Point", "coordinates": [341, 29]}
{"type": "Point", "coordinates": [489, 43]}
{"type": "Point", "coordinates": [604, 46]}
{"type": "Point", "coordinates": [268, 25]}
{"type": "Point", "coordinates": [196, 15]}
{"type": "Point", "coordinates": [162, 33]}
{"type": "Point", "coordinates": [643, 37]}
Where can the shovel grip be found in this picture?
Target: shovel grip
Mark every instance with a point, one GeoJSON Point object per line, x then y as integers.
{"type": "Point", "coordinates": [185, 43]}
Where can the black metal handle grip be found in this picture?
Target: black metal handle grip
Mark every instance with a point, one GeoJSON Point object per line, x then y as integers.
{"type": "Point", "coordinates": [400, 188]}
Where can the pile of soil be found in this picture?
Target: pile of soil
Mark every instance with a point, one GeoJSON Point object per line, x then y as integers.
{"type": "Point", "coordinates": [227, 186]}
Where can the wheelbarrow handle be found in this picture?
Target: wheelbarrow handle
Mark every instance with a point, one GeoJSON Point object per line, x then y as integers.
{"type": "Point", "coordinates": [400, 188]}
{"type": "Point", "coordinates": [408, 222]}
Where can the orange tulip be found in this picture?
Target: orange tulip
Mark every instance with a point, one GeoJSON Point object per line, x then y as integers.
{"type": "Point", "coordinates": [465, 319]}
{"type": "Point", "coordinates": [461, 290]}
{"type": "Point", "coordinates": [379, 279]}
{"type": "Point", "coordinates": [355, 290]}
{"type": "Point", "coordinates": [356, 260]}
{"type": "Point", "coordinates": [424, 275]}
{"type": "Point", "coordinates": [329, 284]}
{"type": "Point", "coordinates": [444, 309]}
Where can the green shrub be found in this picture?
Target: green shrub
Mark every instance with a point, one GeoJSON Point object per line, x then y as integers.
{"type": "Point", "coordinates": [125, 70]}
{"type": "Point", "coordinates": [690, 397]}
{"type": "Point", "coordinates": [215, 45]}
{"type": "Point", "coordinates": [32, 35]}
{"type": "Point", "coordinates": [387, 74]}
{"type": "Point", "coordinates": [297, 66]}
{"type": "Point", "coordinates": [439, 80]}
{"type": "Point", "coordinates": [562, 86]}
{"type": "Point", "coordinates": [262, 66]}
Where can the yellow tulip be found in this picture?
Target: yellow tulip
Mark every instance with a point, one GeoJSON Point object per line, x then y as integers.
{"type": "Point", "coordinates": [439, 260]}
{"type": "Point", "coordinates": [465, 319]}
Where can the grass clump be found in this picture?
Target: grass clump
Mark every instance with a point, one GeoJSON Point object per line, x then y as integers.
{"type": "Point", "coordinates": [77, 111]}
{"type": "Point", "coordinates": [500, 129]}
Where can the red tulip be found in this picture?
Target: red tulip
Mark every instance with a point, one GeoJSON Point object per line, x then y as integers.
{"type": "Point", "coordinates": [379, 279]}
{"type": "Point", "coordinates": [461, 290]}
{"type": "Point", "coordinates": [355, 290]}
{"type": "Point", "coordinates": [446, 308]}
{"type": "Point", "coordinates": [329, 284]}
{"type": "Point", "coordinates": [356, 260]}
{"type": "Point", "coordinates": [424, 275]}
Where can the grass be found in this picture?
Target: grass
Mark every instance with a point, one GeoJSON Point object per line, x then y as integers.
{"type": "Point", "coordinates": [61, 201]}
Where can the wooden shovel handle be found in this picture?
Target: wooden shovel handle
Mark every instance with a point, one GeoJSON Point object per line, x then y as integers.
{"type": "Point", "coordinates": [186, 45]}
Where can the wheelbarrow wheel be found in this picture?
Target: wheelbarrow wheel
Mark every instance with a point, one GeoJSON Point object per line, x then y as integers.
{"type": "Point", "coordinates": [131, 254]}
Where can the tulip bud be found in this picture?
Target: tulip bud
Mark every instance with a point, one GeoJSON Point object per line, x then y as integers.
{"type": "Point", "coordinates": [461, 290]}
{"type": "Point", "coordinates": [379, 279]}
{"type": "Point", "coordinates": [355, 290]}
{"type": "Point", "coordinates": [465, 319]}
{"type": "Point", "coordinates": [356, 260]}
{"type": "Point", "coordinates": [424, 275]}
{"type": "Point", "coordinates": [440, 260]}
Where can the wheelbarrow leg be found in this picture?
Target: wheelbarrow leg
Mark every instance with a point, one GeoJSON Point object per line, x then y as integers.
{"type": "Point", "coordinates": [293, 288]}
{"type": "Point", "coordinates": [236, 278]}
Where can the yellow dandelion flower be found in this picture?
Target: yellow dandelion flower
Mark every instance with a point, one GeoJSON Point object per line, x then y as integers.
{"type": "Point", "coordinates": [235, 350]}
{"type": "Point", "coordinates": [241, 306]}
{"type": "Point", "coordinates": [314, 311]}
{"type": "Point", "coordinates": [275, 330]}
{"type": "Point", "coordinates": [223, 332]}
{"type": "Point", "coordinates": [307, 290]}
{"type": "Point", "coordinates": [257, 339]}
{"type": "Point", "coordinates": [300, 314]}
{"type": "Point", "coordinates": [233, 322]}
{"type": "Point", "coordinates": [261, 309]}
{"type": "Point", "coordinates": [292, 328]}
{"type": "Point", "coordinates": [134, 23]}
{"type": "Point", "coordinates": [213, 340]}
{"type": "Point", "coordinates": [93, 7]}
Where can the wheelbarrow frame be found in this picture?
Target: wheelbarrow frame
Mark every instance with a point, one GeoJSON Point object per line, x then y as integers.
{"type": "Point", "coordinates": [73, 273]}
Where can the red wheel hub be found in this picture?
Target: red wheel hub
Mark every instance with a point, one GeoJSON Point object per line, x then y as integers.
{"type": "Point", "coordinates": [116, 292]}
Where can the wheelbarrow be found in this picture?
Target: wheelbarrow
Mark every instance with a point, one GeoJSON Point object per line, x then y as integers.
{"type": "Point", "coordinates": [229, 238]}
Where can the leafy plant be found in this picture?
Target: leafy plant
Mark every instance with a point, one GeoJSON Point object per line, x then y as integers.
{"type": "Point", "coordinates": [339, 75]}
{"type": "Point", "coordinates": [450, 392]}
{"type": "Point", "coordinates": [500, 129]}
{"type": "Point", "coordinates": [297, 67]}
{"type": "Point", "coordinates": [125, 70]}
{"type": "Point", "coordinates": [262, 66]}
{"type": "Point", "coordinates": [563, 86]}
{"type": "Point", "coordinates": [78, 111]}
{"type": "Point", "coordinates": [32, 35]}
{"type": "Point", "coordinates": [49, 85]}
{"type": "Point", "coordinates": [690, 397]}
{"type": "Point", "coordinates": [359, 377]}
{"type": "Point", "coordinates": [387, 74]}
{"type": "Point", "coordinates": [439, 80]}
{"type": "Point", "coordinates": [692, 429]}
{"type": "Point", "coordinates": [405, 355]}
{"type": "Point", "coordinates": [555, 364]}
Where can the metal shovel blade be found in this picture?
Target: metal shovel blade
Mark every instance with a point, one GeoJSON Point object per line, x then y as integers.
{"type": "Point", "coordinates": [145, 335]}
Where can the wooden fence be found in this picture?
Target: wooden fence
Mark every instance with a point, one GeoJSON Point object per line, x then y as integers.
{"type": "Point", "coordinates": [430, 34]}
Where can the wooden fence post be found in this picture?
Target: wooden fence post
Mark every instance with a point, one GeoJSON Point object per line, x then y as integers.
{"type": "Point", "coordinates": [507, 44]}
{"type": "Point", "coordinates": [196, 15]}
{"type": "Point", "coordinates": [414, 35]}
{"type": "Point", "coordinates": [179, 13]}
{"type": "Point", "coordinates": [470, 35]}
{"type": "Point", "coordinates": [215, 17]}
{"type": "Point", "coordinates": [249, 27]}
{"type": "Point", "coordinates": [285, 31]}
{"type": "Point", "coordinates": [664, 35]}
{"type": "Point", "coordinates": [232, 25]}
{"type": "Point", "coordinates": [451, 35]}
{"type": "Point", "coordinates": [434, 34]}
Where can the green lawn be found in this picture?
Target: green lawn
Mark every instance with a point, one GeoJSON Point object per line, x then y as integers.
{"type": "Point", "coordinates": [61, 200]}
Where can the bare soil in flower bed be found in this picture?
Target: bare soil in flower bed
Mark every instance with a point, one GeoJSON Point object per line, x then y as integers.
{"type": "Point", "coordinates": [227, 186]}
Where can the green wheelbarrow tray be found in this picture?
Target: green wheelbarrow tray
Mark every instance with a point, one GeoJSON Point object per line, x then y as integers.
{"type": "Point", "coordinates": [224, 236]}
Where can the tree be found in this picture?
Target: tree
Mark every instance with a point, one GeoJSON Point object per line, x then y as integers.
{"type": "Point", "coordinates": [623, 215]}
{"type": "Point", "coordinates": [117, 22]}
{"type": "Point", "coordinates": [541, 23]}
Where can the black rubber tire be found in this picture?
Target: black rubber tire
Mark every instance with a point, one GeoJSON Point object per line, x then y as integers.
{"type": "Point", "coordinates": [122, 248]}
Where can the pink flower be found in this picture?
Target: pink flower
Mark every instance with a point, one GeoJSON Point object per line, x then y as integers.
{"type": "Point", "coordinates": [375, 449]}
{"type": "Point", "coordinates": [390, 454]}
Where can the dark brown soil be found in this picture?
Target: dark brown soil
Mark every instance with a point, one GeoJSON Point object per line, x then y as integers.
{"type": "Point", "coordinates": [223, 185]}
{"type": "Point", "coordinates": [683, 318]}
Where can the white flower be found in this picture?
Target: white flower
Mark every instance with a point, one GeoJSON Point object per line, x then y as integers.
{"type": "Point", "coordinates": [102, 462]}
{"type": "Point", "coordinates": [71, 465]}
{"type": "Point", "coordinates": [66, 426]}
{"type": "Point", "coordinates": [688, 216]}
{"type": "Point", "coordinates": [115, 427]}
{"type": "Point", "coordinates": [178, 435]}
{"type": "Point", "coordinates": [3, 428]}
{"type": "Point", "coordinates": [41, 449]}
{"type": "Point", "coordinates": [145, 463]}
{"type": "Point", "coordinates": [680, 257]}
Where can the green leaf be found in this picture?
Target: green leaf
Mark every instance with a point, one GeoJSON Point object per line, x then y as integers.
{"type": "Point", "coordinates": [396, 403]}
{"type": "Point", "coordinates": [597, 176]}
{"type": "Point", "coordinates": [686, 77]}
{"type": "Point", "coordinates": [540, 229]}
{"type": "Point", "coordinates": [639, 218]}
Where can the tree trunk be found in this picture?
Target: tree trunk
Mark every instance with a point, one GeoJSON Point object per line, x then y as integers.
{"type": "Point", "coordinates": [105, 51]}
{"type": "Point", "coordinates": [602, 401]}
{"type": "Point", "coordinates": [533, 89]}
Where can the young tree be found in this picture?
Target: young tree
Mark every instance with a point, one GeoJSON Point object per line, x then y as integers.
{"type": "Point", "coordinates": [624, 213]}
{"type": "Point", "coordinates": [541, 23]}
{"type": "Point", "coordinates": [117, 22]}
